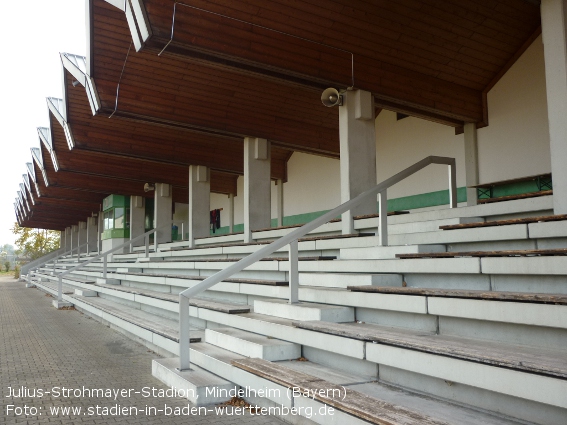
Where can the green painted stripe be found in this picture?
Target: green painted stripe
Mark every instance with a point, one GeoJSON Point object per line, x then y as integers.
{"type": "Point", "coordinates": [423, 200]}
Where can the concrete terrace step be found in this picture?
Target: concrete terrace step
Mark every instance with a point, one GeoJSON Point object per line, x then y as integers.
{"type": "Point", "coordinates": [559, 299]}
{"type": "Point", "coordinates": [350, 401]}
{"type": "Point", "coordinates": [156, 324]}
{"type": "Point", "coordinates": [343, 280]}
{"type": "Point", "coordinates": [487, 377]}
{"type": "Point", "coordinates": [383, 252]}
{"type": "Point", "coordinates": [223, 307]}
{"type": "Point", "coordinates": [304, 311]}
{"type": "Point", "coordinates": [252, 345]}
{"type": "Point", "coordinates": [550, 363]}
{"type": "Point", "coordinates": [190, 277]}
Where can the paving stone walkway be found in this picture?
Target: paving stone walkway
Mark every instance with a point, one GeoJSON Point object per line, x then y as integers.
{"type": "Point", "coordinates": [43, 351]}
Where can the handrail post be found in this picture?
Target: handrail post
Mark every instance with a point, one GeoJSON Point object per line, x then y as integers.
{"type": "Point", "coordinates": [155, 241]}
{"type": "Point", "coordinates": [383, 218]}
{"type": "Point", "coordinates": [293, 272]}
{"type": "Point", "coordinates": [78, 253]}
{"type": "Point", "coordinates": [184, 337]}
{"type": "Point", "coordinates": [104, 263]}
{"type": "Point", "coordinates": [60, 288]}
{"type": "Point", "coordinates": [182, 231]}
{"type": "Point", "coordinates": [452, 185]}
{"type": "Point", "coordinates": [147, 243]}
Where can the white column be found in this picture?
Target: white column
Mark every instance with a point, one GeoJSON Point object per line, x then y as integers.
{"type": "Point", "coordinates": [553, 21]}
{"type": "Point", "coordinates": [163, 212]}
{"type": "Point", "coordinates": [92, 233]}
{"type": "Point", "coordinates": [100, 230]}
{"type": "Point", "coordinates": [67, 238]}
{"type": "Point", "coordinates": [231, 213]}
{"type": "Point", "coordinates": [257, 186]}
{"type": "Point", "coordinates": [358, 153]}
{"type": "Point", "coordinates": [199, 202]}
{"type": "Point", "coordinates": [280, 201]}
{"type": "Point", "coordinates": [74, 237]}
{"type": "Point", "coordinates": [137, 218]}
{"type": "Point", "coordinates": [471, 163]}
{"type": "Point", "coordinates": [62, 239]}
{"type": "Point", "coordinates": [83, 235]}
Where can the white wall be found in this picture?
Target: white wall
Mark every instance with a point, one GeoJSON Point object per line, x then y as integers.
{"type": "Point", "coordinates": [402, 143]}
{"type": "Point", "coordinates": [516, 141]}
{"type": "Point", "coordinates": [313, 184]}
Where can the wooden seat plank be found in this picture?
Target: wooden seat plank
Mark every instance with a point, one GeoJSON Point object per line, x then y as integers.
{"type": "Point", "coordinates": [510, 253]}
{"type": "Point", "coordinates": [363, 406]}
{"type": "Point", "coordinates": [526, 359]}
{"type": "Point", "coordinates": [223, 307]}
{"type": "Point", "coordinates": [525, 220]}
{"type": "Point", "coordinates": [139, 318]}
{"type": "Point", "coordinates": [560, 299]}
{"type": "Point", "coordinates": [514, 197]}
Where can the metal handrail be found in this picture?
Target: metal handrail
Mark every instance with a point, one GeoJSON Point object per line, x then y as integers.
{"type": "Point", "coordinates": [292, 237]}
{"type": "Point", "coordinates": [36, 268]}
{"type": "Point", "coordinates": [105, 254]}
{"type": "Point", "coordinates": [78, 248]}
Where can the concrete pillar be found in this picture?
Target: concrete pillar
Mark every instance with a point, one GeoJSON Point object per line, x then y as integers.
{"type": "Point", "coordinates": [163, 212]}
{"type": "Point", "coordinates": [67, 238]}
{"type": "Point", "coordinates": [199, 202]}
{"type": "Point", "coordinates": [471, 163]}
{"type": "Point", "coordinates": [92, 233]}
{"type": "Point", "coordinates": [257, 186]}
{"type": "Point", "coordinates": [62, 239]}
{"type": "Point", "coordinates": [137, 218]}
{"type": "Point", "coordinates": [553, 21]}
{"type": "Point", "coordinates": [231, 213]}
{"type": "Point", "coordinates": [74, 237]}
{"type": "Point", "coordinates": [358, 153]}
{"type": "Point", "coordinates": [280, 202]}
{"type": "Point", "coordinates": [100, 230]}
{"type": "Point", "coordinates": [83, 235]}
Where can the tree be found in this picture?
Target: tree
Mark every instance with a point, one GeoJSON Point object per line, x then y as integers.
{"type": "Point", "coordinates": [7, 266]}
{"type": "Point", "coordinates": [34, 243]}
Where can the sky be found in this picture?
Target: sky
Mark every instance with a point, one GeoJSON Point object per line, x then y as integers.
{"type": "Point", "coordinates": [33, 33]}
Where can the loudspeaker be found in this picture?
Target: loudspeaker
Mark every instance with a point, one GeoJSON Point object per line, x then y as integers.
{"type": "Point", "coordinates": [331, 97]}
{"type": "Point", "coordinates": [149, 186]}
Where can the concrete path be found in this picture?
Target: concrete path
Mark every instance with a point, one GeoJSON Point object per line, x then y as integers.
{"type": "Point", "coordinates": [53, 362]}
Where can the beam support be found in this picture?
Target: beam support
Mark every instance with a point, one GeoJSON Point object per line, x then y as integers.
{"type": "Point", "coordinates": [358, 153]}
{"type": "Point", "coordinates": [199, 202]}
{"type": "Point", "coordinates": [163, 212]}
{"type": "Point", "coordinates": [553, 21]}
{"type": "Point", "coordinates": [280, 201]}
{"type": "Point", "coordinates": [137, 218]}
{"type": "Point", "coordinates": [68, 238]}
{"type": "Point", "coordinates": [231, 212]}
{"type": "Point", "coordinates": [83, 235]}
{"type": "Point", "coordinates": [471, 163]}
{"type": "Point", "coordinates": [257, 186]}
{"type": "Point", "coordinates": [74, 236]}
{"type": "Point", "coordinates": [92, 233]}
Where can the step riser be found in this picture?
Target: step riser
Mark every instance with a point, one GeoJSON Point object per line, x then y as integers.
{"type": "Point", "coordinates": [502, 404]}
{"type": "Point", "coordinates": [250, 345]}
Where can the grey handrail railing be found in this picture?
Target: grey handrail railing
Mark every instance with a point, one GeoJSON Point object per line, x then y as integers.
{"type": "Point", "coordinates": [105, 254]}
{"type": "Point", "coordinates": [291, 240]}
{"type": "Point", "coordinates": [58, 257]}
{"type": "Point", "coordinates": [78, 248]}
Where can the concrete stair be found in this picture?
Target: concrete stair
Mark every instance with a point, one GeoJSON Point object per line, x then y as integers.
{"type": "Point", "coordinates": [415, 339]}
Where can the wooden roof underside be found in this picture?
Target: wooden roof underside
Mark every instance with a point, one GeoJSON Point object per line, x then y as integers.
{"type": "Point", "coordinates": [429, 58]}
